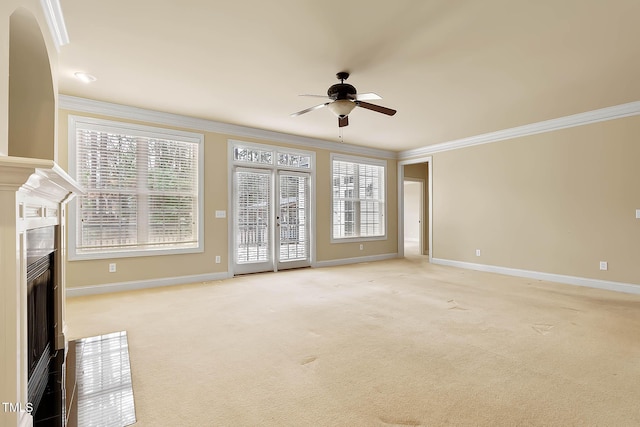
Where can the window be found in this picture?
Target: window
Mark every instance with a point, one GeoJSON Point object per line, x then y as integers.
{"type": "Point", "coordinates": [264, 155]}
{"type": "Point", "coordinates": [358, 197]}
{"type": "Point", "coordinates": [143, 189]}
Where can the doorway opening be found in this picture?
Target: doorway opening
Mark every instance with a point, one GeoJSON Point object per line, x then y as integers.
{"type": "Point", "coordinates": [415, 207]}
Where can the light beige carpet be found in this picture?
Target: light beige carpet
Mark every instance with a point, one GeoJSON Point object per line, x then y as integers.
{"type": "Point", "coordinates": [392, 343]}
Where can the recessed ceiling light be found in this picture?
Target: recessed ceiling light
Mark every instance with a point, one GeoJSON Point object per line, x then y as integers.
{"type": "Point", "coordinates": [84, 77]}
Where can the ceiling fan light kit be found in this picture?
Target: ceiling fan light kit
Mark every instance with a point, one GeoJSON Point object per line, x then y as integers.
{"type": "Point", "coordinates": [344, 98]}
{"type": "Point", "coordinates": [341, 107]}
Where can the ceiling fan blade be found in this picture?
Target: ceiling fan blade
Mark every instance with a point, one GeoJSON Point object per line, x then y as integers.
{"type": "Point", "coordinates": [316, 96]}
{"type": "Point", "coordinates": [377, 108]}
{"type": "Point", "coordinates": [343, 121]}
{"type": "Point", "coordinates": [310, 109]}
{"type": "Point", "coordinates": [367, 96]}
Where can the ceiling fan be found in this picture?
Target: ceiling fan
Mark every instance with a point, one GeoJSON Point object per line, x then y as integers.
{"type": "Point", "coordinates": [344, 98]}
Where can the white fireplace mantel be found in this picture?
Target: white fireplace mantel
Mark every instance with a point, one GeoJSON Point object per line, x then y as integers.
{"type": "Point", "coordinates": [33, 194]}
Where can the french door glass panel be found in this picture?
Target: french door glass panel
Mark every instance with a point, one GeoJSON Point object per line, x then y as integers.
{"type": "Point", "coordinates": [292, 220]}
{"type": "Point", "coordinates": [252, 228]}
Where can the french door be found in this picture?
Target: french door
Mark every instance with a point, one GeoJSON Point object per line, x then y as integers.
{"type": "Point", "coordinates": [270, 220]}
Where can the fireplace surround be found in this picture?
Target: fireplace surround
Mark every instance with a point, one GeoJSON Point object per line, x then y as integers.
{"type": "Point", "coordinates": [33, 198]}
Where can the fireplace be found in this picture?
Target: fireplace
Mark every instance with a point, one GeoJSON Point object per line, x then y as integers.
{"type": "Point", "coordinates": [33, 198]}
{"type": "Point", "coordinates": [40, 309]}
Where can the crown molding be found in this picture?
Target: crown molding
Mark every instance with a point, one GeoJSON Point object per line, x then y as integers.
{"type": "Point", "coordinates": [55, 21]}
{"type": "Point", "coordinates": [151, 116]}
{"type": "Point", "coordinates": [600, 115]}
{"type": "Point", "coordinates": [91, 106]}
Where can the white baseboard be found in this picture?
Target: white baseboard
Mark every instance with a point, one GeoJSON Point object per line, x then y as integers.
{"type": "Point", "coordinates": [629, 288]}
{"type": "Point", "coordinates": [183, 280]}
{"type": "Point", "coordinates": [143, 284]}
{"type": "Point", "coordinates": [355, 260]}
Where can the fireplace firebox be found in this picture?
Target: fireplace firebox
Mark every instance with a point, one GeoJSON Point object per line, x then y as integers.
{"type": "Point", "coordinates": [40, 309]}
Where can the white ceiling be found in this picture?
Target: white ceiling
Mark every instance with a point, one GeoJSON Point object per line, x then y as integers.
{"type": "Point", "coordinates": [452, 69]}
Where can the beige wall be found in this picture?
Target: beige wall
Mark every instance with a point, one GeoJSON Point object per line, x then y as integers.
{"type": "Point", "coordinates": [557, 202]}
{"type": "Point", "coordinates": [95, 272]}
{"type": "Point", "coordinates": [45, 101]}
{"type": "Point", "coordinates": [31, 93]}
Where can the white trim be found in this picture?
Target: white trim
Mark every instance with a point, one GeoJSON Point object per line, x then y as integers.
{"type": "Point", "coordinates": [603, 114]}
{"type": "Point", "coordinates": [629, 288]}
{"type": "Point", "coordinates": [231, 252]}
{"type": "Point", "coordinates": [401, 164]}
{"type": "Point", "coordinates": [134, 130]}
{"type": "Point", "coordinates": [73, 103]}
{"type": "Point", "coordinates": [355, 260]}
{"type": "Point", "coordinates": [102, 125]}
{"type": "Point", "coordinates": [55, 21]}
{"type": "Point", "coordinates": [167, 119]}
{"type": "Point", "coordinates": [358, 159]}
{"type": "Point", "coordinates": [144, 284]}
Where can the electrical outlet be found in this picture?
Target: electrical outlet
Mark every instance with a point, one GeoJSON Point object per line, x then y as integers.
{"type": "Point", "coordinates": [477, 252]}
{"type": "Point", "coordinates": [217, 259]}
{"type": "Point", "coordinates": [361, 247]}
{"type": "Point", "coordinates": [604, 265]}
{"type": "Point", "coordinates": [112, 267]}
{"type": "Point", "coordinates": [637, 213]}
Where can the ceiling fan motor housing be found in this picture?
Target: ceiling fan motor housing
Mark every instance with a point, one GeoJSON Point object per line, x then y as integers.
{"type": "Point", "coordinates": [341, 91]}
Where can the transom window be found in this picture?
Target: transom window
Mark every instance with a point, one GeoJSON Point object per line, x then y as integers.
{"type": "Point", "coordinates": [143, 189]}
{"type": "Point", "coordinates": [358, 196]}
{"type": "Point", "coordinates": [283, 158]}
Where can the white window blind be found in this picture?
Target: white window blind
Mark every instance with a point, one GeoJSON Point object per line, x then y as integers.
{"type": "Point", "coordinates": [358, 199]}
{"type": "Point", "coordinates": [253, 211]}
{"type": "Point", "coordinates": [142, 190]}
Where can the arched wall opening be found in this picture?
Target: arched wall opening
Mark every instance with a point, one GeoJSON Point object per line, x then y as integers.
{"type": "Point", "coordinates": [32, 102]}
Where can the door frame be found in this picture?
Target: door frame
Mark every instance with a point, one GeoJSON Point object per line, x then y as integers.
{"type": "Point", "coordinates": [401, 164]}
{"type": "Point", "coordinates": [230, 215]}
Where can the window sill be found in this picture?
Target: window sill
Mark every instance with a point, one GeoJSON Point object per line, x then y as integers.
{"type": "Point", "coordinates": [357, 239]}
{"type": "Point", "coordinates": [134, 253]}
